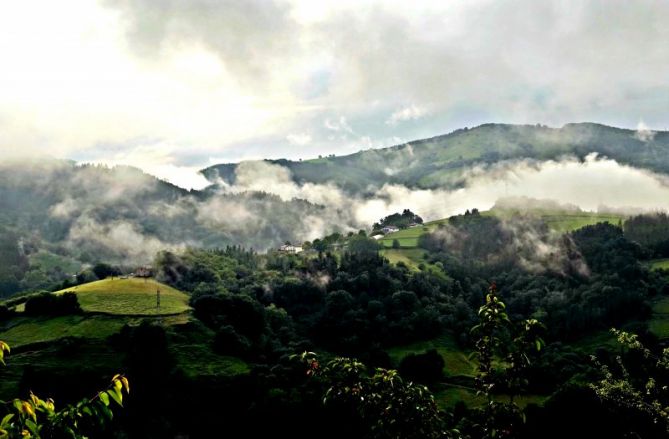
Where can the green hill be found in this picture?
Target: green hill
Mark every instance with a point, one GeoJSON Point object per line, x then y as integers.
{"type": "Point", "coordinates": [557, 220]}
{"type": "Point", "coordinates": [129, 297]}
{"type": "Point", "coordinates": [439, 161]}
{"type": "Point", "coordinates": [69, 344]}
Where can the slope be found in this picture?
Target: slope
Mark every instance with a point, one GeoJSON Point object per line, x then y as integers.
{"type": "Point", "coordinates": [130, 297]}
{"type": "Point", "coordinates": [439, 161]}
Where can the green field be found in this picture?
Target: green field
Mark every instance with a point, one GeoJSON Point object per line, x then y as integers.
{"type": "Point", "coordinates": [197, 359]}
{"type": "Point", "coordinates": [22, 331]}
{"type": "Point", "coordinates": [408, 238]}
{"type": "Point", "coordinates": [558, 221]}
{"type": "Point", "coordinates": [659, 264]}
{"type": "Point", "coordinates": [129, 297]}
{"type": "Point", "coordinates": [459, 366]}
{"type": "Point", "coordinates": [570, 222]}
{"type": "Point", "coordinates": [74, 343]}
{"type": "Point", "coordinates": [659, 323]}
{"type": "Point", "coordinates": [49, 261]}
{"type": "Point", "coordinates": [412, 257]}
{"type": "Point", "coordinates": [25, 330]}
{"type": "Point", "coordinates": [448, 396]}
{"type": "Point", "coordinates": [456, 361]}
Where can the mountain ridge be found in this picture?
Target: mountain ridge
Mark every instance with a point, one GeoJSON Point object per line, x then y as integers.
{"type": "Point", "coordinates": [440, 161]}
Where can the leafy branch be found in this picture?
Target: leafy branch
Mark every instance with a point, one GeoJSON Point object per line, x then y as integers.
{"type": "Point", "coordinates": [38, 418]}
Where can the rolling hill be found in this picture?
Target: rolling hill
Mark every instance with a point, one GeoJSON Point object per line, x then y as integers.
{"type": "Point", "coordinates": [557, 220]}
{"type": "Point", "coordinates": [129, 297]}
{"type": "Point", "coordinates": [72, 344]}
{"type": "Point", "coordinates": [439, 161]}
{"type": "Point", "coordinates": [107, 305]}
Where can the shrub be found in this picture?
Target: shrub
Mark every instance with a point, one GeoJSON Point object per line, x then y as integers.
{"type": "Point", "coordinates": [48, 304]}
{"type": "Point", "coordinates": [228, 342]}
{"type": "Point", "coordinates": [424, 368]}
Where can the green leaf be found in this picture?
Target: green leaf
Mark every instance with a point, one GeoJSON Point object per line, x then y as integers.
{"type": "Point", "coordinates": [116, 396]}
{"type": "Point", "coordinates": [6, 420]}
{"type": "Point", "coordinates": [104, 398]}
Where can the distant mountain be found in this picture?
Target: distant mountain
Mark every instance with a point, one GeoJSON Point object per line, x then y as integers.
{"type": "Point", "coordinates": [56, 217]}
{"type": "Point", "coordinates": [440, 161]}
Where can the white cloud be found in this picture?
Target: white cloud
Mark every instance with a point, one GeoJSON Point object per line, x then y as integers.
{"type": "Point", "coordinates": [338, 125]}
{"type": "Point", "coordinates": [589, 185]}
{"type": "Point", "coordinates": [84, 79]}
{"type": "Point", "coordinates": [411, 112]}
{"type": "Point", "coordinates": [299, 139]}
{"type": "Point", "coordinates": [643, 132]}
{"type": "Point", "coordinates": [158, 160]}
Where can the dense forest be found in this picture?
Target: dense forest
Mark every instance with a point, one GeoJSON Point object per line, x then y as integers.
{"type": "Point", "coordinates": [325, 324]}
{"type": "Point", "coordinates": [334, 219]}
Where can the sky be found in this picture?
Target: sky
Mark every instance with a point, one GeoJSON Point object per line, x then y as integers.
{"type": "Point", "coordinates": [177, 85]}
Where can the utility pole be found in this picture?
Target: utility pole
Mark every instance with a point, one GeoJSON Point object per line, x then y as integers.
{"type": "Point", "coordinates": [158, 297]}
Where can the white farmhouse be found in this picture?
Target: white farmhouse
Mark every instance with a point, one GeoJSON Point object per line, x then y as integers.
{"type": "Point", "coordinates": [289, 248]}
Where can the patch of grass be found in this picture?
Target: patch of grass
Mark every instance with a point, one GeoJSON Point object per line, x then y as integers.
{"type": "Point", "coordinates": [558, 221]}
{"type": "Point", "coordinates": [26, 330]}
{"type": "Point", "coordinates": [82, 357]}
{"type": "Point", "coordinates": [410, 256]}
{"type": "Point", "coordinates": [659, 323]}
{"type": "Point", "coordinates": [21, 331]}
{"type": "Point", "coordinates": [456, 361]}
{"type": "Point", "coordinates": [132, 296]}
{"type": "Point", "coordinates": [199, 360]}
{"type": "Point", "coordinates": [48, 261]}
{"type": "Point", "coordinates": [591, 342]}
{"type": "Point", "coordinates": [448, 396]}
{"type": "Point", "coordinates": [659, 264]}
{"type": "Point", "coordinates": [570, 222]}
{"type": "Point", "coordinates": [408, 238]}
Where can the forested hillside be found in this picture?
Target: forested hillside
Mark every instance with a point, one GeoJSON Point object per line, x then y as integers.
{"type": "Point", "coordinates": [234, 352]}
{"type": "Point", "coordinates": [443, 160]}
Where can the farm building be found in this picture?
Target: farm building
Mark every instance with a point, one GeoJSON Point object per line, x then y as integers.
{"type": "Point", "coordinates": [289, 248]}
{"type": "Point", "coordinates": [144, 271]}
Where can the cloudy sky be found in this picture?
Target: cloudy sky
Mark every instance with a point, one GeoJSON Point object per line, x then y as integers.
{"type": "Point", "coordinates": [176, 85]}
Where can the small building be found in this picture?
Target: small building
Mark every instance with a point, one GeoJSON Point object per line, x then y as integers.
{"type": "Point", "coordinates": [377, 237]}
{"type": "Point", "coordinates": [390, 229]}
{"type": "Point", "coordinates": [144, 271]}
{"type": "Point", "coordinates": [289, 248]}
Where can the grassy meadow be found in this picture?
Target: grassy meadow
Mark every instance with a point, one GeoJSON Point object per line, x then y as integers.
{"type": "Point", "coordinates": [558, 221]}
{"type": "Point", "coordinates": [132, 296]}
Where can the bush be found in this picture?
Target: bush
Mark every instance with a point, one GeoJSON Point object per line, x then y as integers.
{"type": "Point", "coordinates": [423, 368]}
{"type": "Point", "coordinates": [244, 314]}
{"type": "Point", "coordinates": [5, 313]}
{"type": "Point", "coordinates": [228, 342]}
{"type": "Point", "coordinates": [48, 304]}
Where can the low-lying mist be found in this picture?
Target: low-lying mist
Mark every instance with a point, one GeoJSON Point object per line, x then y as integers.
{"type": "Point", "coordinates": [592, 184]}
{"type": "Point", "coordinates": [123, 214]}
